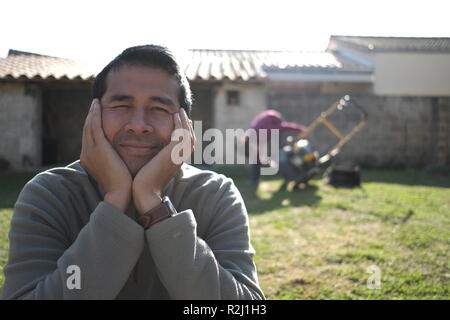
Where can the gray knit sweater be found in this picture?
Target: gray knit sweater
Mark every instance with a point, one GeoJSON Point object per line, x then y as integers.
{"type": "Point", "coordinates": [60, 221]}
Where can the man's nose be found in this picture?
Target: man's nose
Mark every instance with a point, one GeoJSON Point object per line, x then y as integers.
{"type": "Point", "coordinates": [138, 123]}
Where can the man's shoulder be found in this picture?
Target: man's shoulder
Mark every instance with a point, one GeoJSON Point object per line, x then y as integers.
{"type": "Point", "coordinates": [194, 175]}
{"type": "Point", "coordinates": [209, 194]}
{"type": "Point", "coordinates": [70, 175]}
{"type": "Point", "coordinates": [59, 188]}
{"type": "Point", "coordinates": [192, 180]}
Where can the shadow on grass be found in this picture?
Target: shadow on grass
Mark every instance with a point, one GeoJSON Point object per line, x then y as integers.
{"type": "Point", "coordinates": [280, 199]}
{"type": "Point", "coordinates": [406, 177]}
{"type": "Point", "coordinates": [257, 204]}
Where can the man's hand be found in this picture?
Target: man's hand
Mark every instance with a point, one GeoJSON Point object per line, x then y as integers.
{"type": "Point", "coordinates": [156, 174]}
{"type": "Point", "coordinates": [102, 161]}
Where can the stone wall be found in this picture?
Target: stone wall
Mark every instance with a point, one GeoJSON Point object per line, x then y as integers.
{"type": "Point", "coordinates": [400, 132]}
{"type": "Point", "coordinates": [30, 112]}
{"type": "Point", "coordinates": [20, 125]}
{"type": "Point", "coordinates": [442, 117]}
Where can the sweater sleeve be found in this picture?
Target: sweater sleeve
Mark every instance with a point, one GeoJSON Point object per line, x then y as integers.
{"type": "Point", "coordinates": [291, 126]}
{"type": "Point", "coordinates": [220, 266]}
{"type": "Point", "coordinates": [44, 262]}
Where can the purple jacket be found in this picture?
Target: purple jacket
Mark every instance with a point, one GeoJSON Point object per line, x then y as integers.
{"type": "Point", "coordinates": [271, 119]}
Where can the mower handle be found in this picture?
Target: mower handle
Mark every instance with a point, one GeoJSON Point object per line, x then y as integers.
{"type": "Point", "coordinates": [339, 105]}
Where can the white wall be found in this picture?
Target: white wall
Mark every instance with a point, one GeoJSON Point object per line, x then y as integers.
{"type": "Point", "coordinates": [252, 102]}
{"type": "Point", "coordinates": [414, 74]}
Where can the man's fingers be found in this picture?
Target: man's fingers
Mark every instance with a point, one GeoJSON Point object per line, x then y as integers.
{"type": "Point", "coordinates": [189, 134]}
{"type": "Point", "coordinates": [96, 123]}
{"type": "Point", "coordinates": [177, 121]}
{"type": "Point", "coordinates": [181, 143]}
{"type": "Point", "coordinates": [87, 141]}
{"type": "Point", "coordinates": [184, 123]}
{"type": "Point", "coordinates": [87, 136]}
{"type": "Point", "coordinates": [88, 117]}
{"type": "Point", "coordinates": [183, 118]}
{"type": "Point", "coordinates": [187, 125]}
{"type": "Point", "coordinates": [91, 124]}
{"type": "Point", "coordinates": [193, 138]}
{"type": "Point", "coordinates": [175, 138]}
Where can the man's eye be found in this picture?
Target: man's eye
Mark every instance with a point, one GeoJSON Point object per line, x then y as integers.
{"type": "Point", "coordinates": [122, 106]}
{"type": "Point", "coordinates": [159, 109]}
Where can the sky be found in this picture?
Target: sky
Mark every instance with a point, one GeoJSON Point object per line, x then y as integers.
{"type": "Point", "coordinates": [99, 30]}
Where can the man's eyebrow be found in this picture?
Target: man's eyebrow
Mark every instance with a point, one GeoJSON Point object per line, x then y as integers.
{"type": "Point", "coordinates": [163, 100]}
{"type": "Point", "coordinates": [120, 98]}
{"type": "Point", "coordinates": [123, 97]}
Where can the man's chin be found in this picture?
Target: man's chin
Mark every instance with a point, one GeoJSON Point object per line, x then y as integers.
{"type": "Point", "coordinates": [134, 165]}
{"type": "Point", "coordinates": [135, 162]}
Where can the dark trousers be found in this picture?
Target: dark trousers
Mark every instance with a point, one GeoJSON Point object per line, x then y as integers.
{"type": "Point", "coordinates": [255, 174]}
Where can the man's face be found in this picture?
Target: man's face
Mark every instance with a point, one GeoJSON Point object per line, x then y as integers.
{"type": "Point", "coordinates": [137, 112]}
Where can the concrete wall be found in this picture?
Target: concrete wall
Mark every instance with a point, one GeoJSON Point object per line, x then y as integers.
{"type": "Point", "coordinates": [203, 104]}
{"type": "Point", "coordinates": [401, 131]}
{"type": "Point", "coordinates": [412, 74]}
{"type": "Point", "coordinates": [252, 102]}
{"type": "Point", "coordinates": [20, 125]}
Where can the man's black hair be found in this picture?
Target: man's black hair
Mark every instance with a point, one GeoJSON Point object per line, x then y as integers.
{"type": "Point", "coordinates": [151, 56]}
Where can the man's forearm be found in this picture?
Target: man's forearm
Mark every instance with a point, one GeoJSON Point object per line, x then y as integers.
{"type": "Point", "coordinates": [189, 269]}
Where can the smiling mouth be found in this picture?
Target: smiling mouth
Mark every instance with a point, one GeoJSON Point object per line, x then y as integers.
{"type": "Point", "coordinates": [139, 149]}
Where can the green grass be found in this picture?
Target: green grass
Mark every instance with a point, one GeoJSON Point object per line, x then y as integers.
{"type": "Point", "coordinates": [317, 243]}
{"type": "Point", "coordinates": [10, 186]}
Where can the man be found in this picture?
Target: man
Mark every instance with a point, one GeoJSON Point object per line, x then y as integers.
{"type": "Point", "coordinates": [268, 120]}
{"type": "Point", "coordinates": [127, 221]}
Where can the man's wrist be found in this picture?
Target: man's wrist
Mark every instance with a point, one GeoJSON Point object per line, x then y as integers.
{"type": "Point", "coordinates": [118, 199]}
{"type": "Point", "coordinates": [161, 212]}
{"type": "Point", "coordinates": [146, 201]}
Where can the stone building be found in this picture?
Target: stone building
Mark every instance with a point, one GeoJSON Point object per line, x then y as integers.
{"type": "Point", "coordinates": [43, 102]}
{"type": "Point", "coordinates": [403, 84]}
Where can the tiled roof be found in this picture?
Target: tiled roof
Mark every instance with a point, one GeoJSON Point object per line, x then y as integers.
{"type": "Point", "coordinates": [393, 43]}
{"type": "Point", "coordinates": [208, 65]}
{"type": "Point", "coordinates": [223, 64]}
{"type": "Point", "coordinates": [25, 65]}
{"type": "Point", "coordinates": [254, 65]}
{"type": "Point", "coordinates": [230, 64]}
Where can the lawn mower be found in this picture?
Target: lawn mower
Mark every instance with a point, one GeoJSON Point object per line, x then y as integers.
{"type": "Point", "coordinates": [299, 162]}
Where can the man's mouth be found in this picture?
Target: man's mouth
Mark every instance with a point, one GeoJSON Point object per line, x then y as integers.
{"type": "Point", "coordinates": [139, 148]}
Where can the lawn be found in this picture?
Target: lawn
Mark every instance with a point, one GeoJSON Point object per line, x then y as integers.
{"type": "Point", "coordinates": [10, 186]}
{"type": "Point", "coordinates": [318, 243]}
